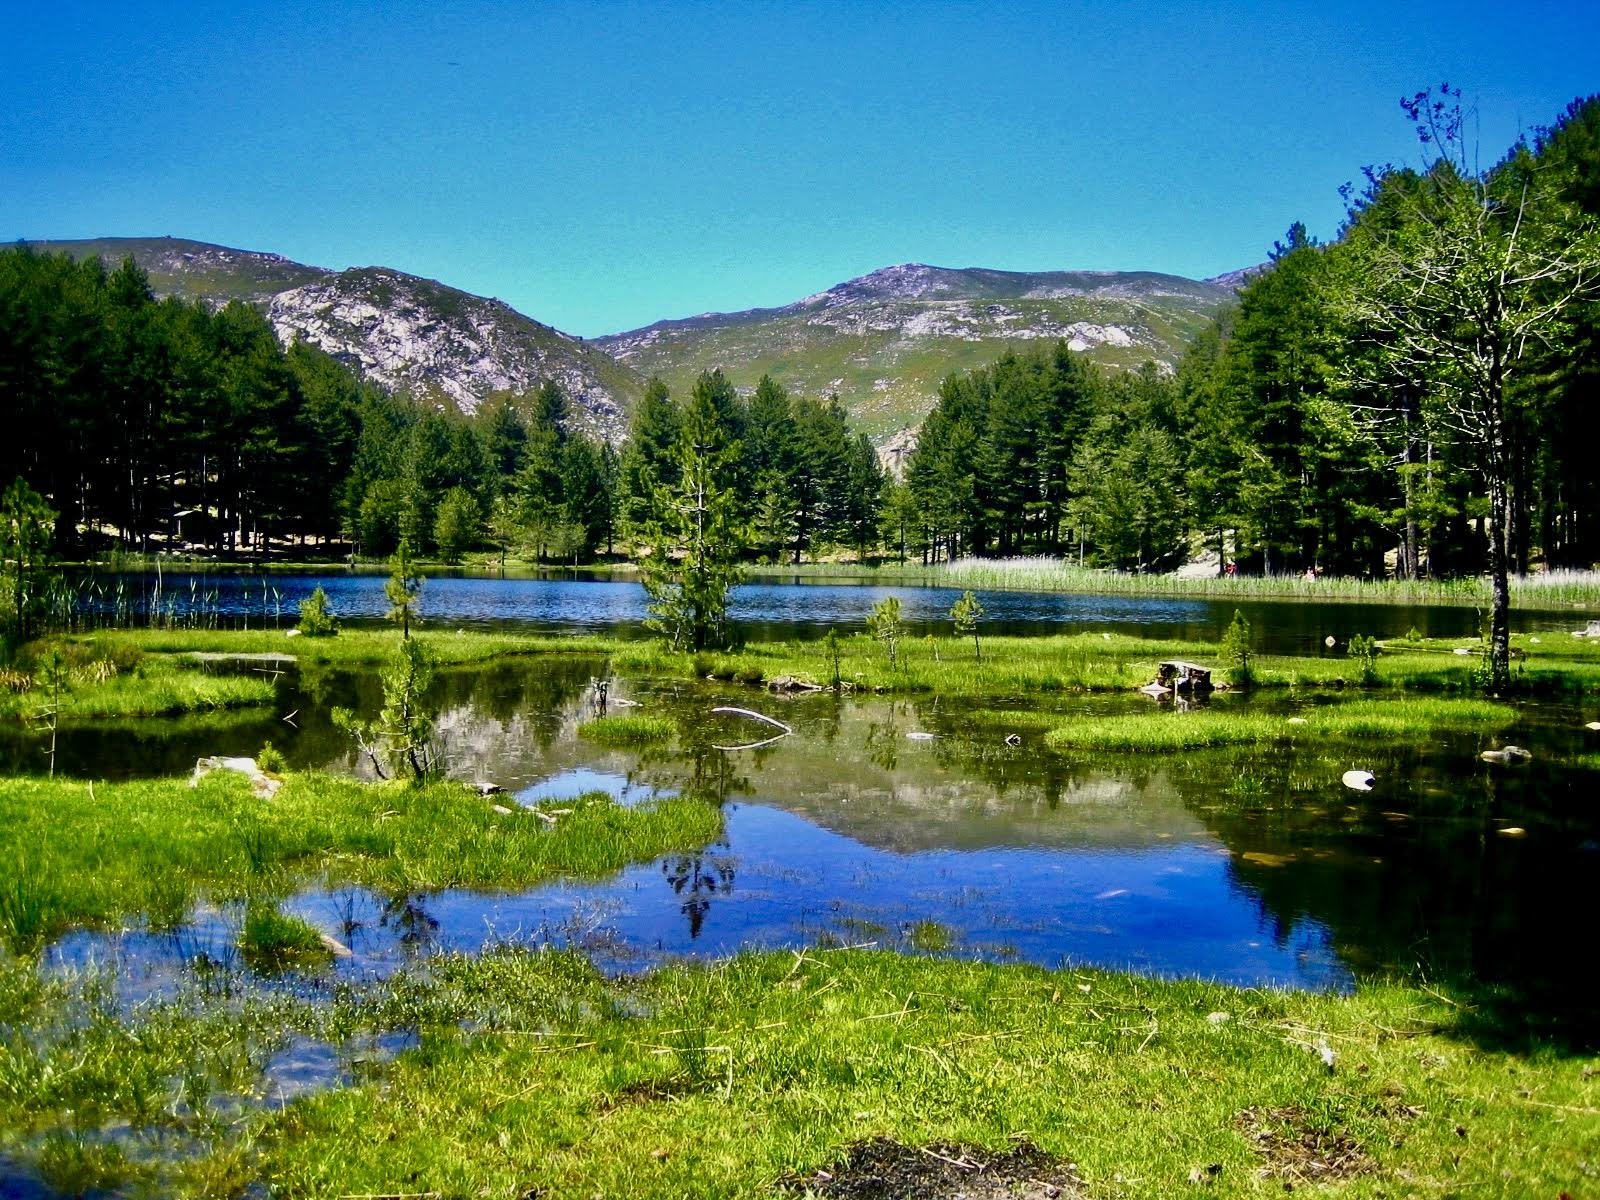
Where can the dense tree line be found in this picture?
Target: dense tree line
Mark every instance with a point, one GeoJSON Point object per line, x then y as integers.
{"type": "Point", "coordinates": [137, 417]}
{"type": "Point", "coordinates": [799, 480]}
{"type": "Point", "coordinates": [1044, 453]}
{"type": "Point", "coordinates": [1406, 397]}
{"type": "Point", "coordinates": [165, 424]}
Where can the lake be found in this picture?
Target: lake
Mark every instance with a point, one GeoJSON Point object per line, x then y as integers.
{"type": "Point", "coordinates": [766, 610]}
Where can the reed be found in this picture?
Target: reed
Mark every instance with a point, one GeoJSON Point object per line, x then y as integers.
{"type": "Point", "coordinates": [1544, 589]}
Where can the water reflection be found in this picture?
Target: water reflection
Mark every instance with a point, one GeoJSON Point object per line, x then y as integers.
{"type": "Point", "coordinates": [1249, 866]}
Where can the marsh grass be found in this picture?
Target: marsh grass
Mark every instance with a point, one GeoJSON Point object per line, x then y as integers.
{"type": "Point", "coordinates": [631, 730]}
{"type": "Point", "coordinates": [271, 940]}
{"type": "Point", "coordinates": [533, 1074]}
{"type": "Point", "coordinates": [96, 853]}
{"type": "Point", "coordinates": [1082, 662]}
{"type": "Point", "coordinates": [353, 647]}
{"type": "Point", "coordinates": [111, 680]}
{"type": "Point", "coordinates": [1163, 729]}
{"type": "Point", "coordinates": [1545, 589]}
{"type": "Point", "coordinates": [1101, 662]}
{"type": "Point", "coordinates": [716, 1080]}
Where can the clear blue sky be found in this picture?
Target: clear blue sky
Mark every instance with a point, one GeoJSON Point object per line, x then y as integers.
{"type": "Point", "coordinates": [603, 165]}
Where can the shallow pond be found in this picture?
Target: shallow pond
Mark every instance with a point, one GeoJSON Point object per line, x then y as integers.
{"type": "Point", "coordinates": [912, 824]}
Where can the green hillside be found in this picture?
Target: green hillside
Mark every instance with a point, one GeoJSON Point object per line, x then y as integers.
{"type": "Point", "coordinates": [883, 342]}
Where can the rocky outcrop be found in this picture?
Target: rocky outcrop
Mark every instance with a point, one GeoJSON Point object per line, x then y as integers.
{"type": "Point", "coordinates": [407, 332]}
{"type": "Point", "coordinates": [399, 330]}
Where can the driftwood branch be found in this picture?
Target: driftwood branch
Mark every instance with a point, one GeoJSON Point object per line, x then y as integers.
{"type": "Point", "coordinates": [786, 731]}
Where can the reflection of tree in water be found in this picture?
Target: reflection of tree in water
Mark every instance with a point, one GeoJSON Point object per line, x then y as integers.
{"type": "Point", "coordinates": [698, 878]}
{"type": "Point", "coordinates": [1415, 876]}
{"type": "Point", "coordinates": [884, 738]}
{"type": "Point", "coordinates": [406, 915]}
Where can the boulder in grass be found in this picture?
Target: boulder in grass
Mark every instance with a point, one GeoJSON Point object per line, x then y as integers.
{"type": "Point", "coordinates": [264, 785]}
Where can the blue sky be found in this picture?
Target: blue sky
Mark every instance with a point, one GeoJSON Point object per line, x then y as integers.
{"type": "Point", "coordinates": [603, 165]}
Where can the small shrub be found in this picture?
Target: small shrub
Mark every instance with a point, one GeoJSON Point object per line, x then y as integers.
{"type": "Point", "coordinates": [885, 625]}
{"type": "Point", "coordinates": [271, 760]}
{"type": "Point", "coordinates": [1235, 651]}
{"type": "Point", "coordinates": [966, 613]}
{"type": "Point", "coordinates": [316, 618]}
{"type": "Point", "coordinates": [834, 649]}
{"type": "Point", "coordinates": [1365, 651]}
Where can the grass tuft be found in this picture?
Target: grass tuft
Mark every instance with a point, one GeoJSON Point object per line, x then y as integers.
{"type": "Point", "coordinates": [631, 730]}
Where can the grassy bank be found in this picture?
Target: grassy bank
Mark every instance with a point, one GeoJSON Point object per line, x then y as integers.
{"type": "Point", "coordinates": [1095, 662]}
{"type": "Point", "coordinates": [352, 647]}
{"type": "Point", "coordinates": [770, 1073]}
{"type": "Point", "coordinates": [1391, 718]}
{"type": "Point", "coordinates": [82, 853]}
{"type": "Point", "coordinates": [105, 678]}
{"type": "Point", "coordinates": [1081, 662]}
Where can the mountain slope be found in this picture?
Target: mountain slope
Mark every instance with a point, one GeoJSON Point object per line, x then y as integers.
{"type": "Point", "coordinates": [400, 330]}
{"type": "Point", "coordinates": [884, 341]}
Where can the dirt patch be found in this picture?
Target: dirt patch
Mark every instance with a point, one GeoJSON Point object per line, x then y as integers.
{"type": "Point", "coordinates": [884, 1169]}
{"type": "Point", "coordinates": [1295, 1149]}
{"type": "Point", "coordinates": [648, 1091]}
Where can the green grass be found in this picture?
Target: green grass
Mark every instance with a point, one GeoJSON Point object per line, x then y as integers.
{"type": "Point", "coordinates": [720, 1080]}
{"type": "Point", "coordinates": [271, 940]}
{"type": "Point", "coordinates": [632, 730]}
{"type": "Point", "coordinates": [1099, 662]}
{"type": "Point", "coordinates": [1543, 590]}
{"type": "Point", "coordinates": [1083, 662]}
{"type": "Point", "coordinates": [104, 680]}
{"type": "Point", "coordinates": [89, 853]}
{"type": "Point", "coordinates": [353, 647]}
{"type": "Point", "coordinates": [1165, 730]}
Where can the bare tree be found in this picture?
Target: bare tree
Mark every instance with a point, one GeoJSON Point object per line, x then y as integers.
{"type": "Point", "coordinates": [1453, 274]}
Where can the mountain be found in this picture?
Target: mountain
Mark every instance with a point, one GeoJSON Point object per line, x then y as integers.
{"type": "Point", "coordinates": [399, 330]}
{"type": "Point", "coordinates": [884, 341]}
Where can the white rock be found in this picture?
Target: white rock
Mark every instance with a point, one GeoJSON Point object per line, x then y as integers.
{"type": "Point", "coordinates": [1360, 781]}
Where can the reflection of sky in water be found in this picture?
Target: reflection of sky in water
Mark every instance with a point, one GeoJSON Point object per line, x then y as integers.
{"type": "Point", "coordinates": [569, 785]}
{"type": "Point", "coordinates": [781, 881]}
{"type": "Point", "coordinates": [777, 880]}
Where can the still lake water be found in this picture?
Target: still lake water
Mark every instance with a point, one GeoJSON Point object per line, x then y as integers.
{"type": "Point", "coordinates": [771, 609]}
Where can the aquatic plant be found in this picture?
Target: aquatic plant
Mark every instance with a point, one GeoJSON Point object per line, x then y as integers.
{"type": "Point", "coordinates": [271, 940]}
{"type": "Point", "coordinates": [631, 730]}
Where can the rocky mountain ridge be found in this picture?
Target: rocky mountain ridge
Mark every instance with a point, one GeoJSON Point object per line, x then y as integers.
{"type": "Point", "coordinates": [399, 330]}
{"type": "Point", "coordinates": [884, 341]}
